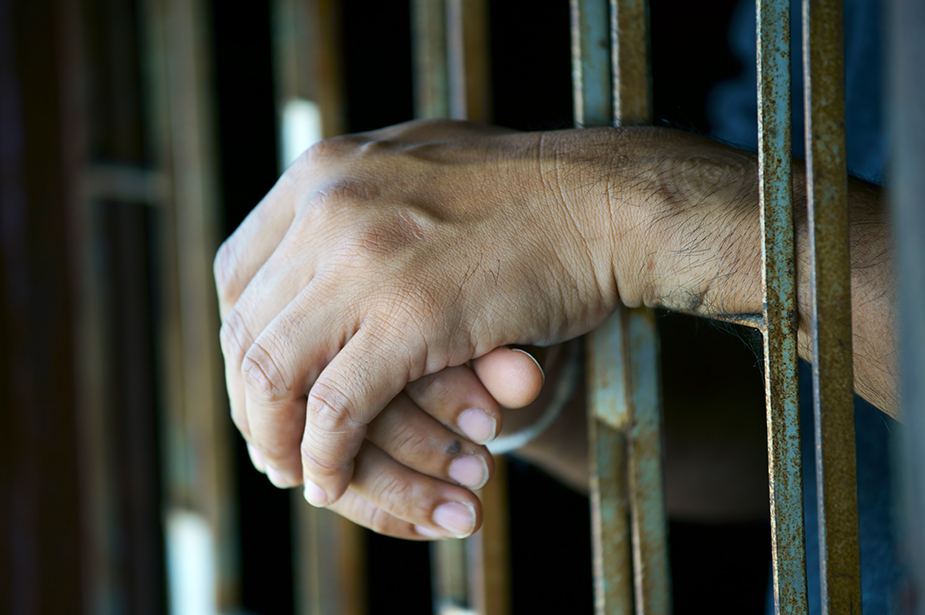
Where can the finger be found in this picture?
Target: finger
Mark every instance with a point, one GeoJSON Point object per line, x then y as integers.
{"type": "Point", "coordinates": [277, 372]}
{"type": "Point", "coordinates": [248, 248]}
{"type": "Point", "coordinates": [511, 375]}
{"type": "Point", "coordinates": [455, 397]}
{"type": "Point", "coordinates": [350, 392]}
{"type": "Point", "coordinates": [256, 458]}
{"type": "Point", "coordinates": [418, 441]}
{"type": "Point", "coordinates": [362, 512]}
{"type": "Point", "coordinates": [270, 291]}
{"type": "Point", "coordinates": [413, 497]}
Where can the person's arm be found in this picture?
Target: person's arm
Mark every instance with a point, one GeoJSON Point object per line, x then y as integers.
{"type": "Point", "coordinates": [383, 257]}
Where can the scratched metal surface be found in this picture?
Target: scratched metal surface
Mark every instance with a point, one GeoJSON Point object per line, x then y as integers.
{"type": "Point", "coordinates": [827, 187]}
{"type": "Point", "coordinates": [906, 96]}
{"type": "Point", "coordinates": [775, 178]}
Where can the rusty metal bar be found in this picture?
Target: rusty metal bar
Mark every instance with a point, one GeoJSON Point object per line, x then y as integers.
{"type": "Point", "coordinates": [827, 190]}
{"type": "Point", "coordinates": [632, 104]}
{"type": "Point", "coordinates": [646, 476]}
{"type": "Point", "coordinates": [632, 81]}
{"type": "Point", "coordinates": [629, 521]}
{"type": "Point", "coordinates": [608, 411]}
{"type": "Point", "coordinates": [906, 99]}
{"type": "Point", "coordinates": [775, 178]}
{"type": "Point", "coordinates": [608, 420]}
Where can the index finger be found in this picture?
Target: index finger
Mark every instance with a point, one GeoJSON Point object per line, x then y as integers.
{"type": "Point", "coordinates": [350, 392]}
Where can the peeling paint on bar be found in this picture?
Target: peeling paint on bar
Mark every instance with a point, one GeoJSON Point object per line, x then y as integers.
{"type": "Point", "coordinates": [780, 308]}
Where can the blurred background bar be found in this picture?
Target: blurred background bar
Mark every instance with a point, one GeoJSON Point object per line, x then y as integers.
{"type": "Point", "coordinates": [906, 99]}
{"type": "Point", "coordinates": [775, 176]}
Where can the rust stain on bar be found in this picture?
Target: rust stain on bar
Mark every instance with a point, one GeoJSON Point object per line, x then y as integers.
{"type": "Point", "coordinates": [632, 88]}
{"type": "Point", "coordinates": [827, 187]}
{"type": "Point", "coordinates": [780, 308]}
{"type": "Point", "coordinates": [610, 525]}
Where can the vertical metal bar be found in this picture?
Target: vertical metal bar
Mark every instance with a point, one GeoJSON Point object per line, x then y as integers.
{"type": "Point", "coordinates": [632, 104]}
{"type": "Point", "coordinates": [591, 73]}
{"type": "Point", "coordinates": [608, 420]}
{"type": "Point", "coordinates": [608, 408]}
{"type": "Point", "coordinates": [452, 78]}
{"type": "Point", "coordinates": [907, 189]}
{"type": "Point", "coordinates": [646, 476]}
{"type": "Point", "coordinates": [827, 189]}
{"type": "Point", "coordinates": [625, 410]}
{"type": "Point", "coordinates": [488, 551]}
{"type": "Point", "coordinates": [632, 83]}
{"type": "Point", "coordinates": [199, 489]}
{"type": "Point", "coordinates": [468, 60]}
{"type": "Point", "coordinates": [431, 87]}
{"type": "Point", "coordinates": [775, 179]}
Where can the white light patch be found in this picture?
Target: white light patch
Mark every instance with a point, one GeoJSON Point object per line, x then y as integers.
{"type": "Point", "coordinates": [301, 128]}
{"type": "Point", "coordinates": [190, 565]}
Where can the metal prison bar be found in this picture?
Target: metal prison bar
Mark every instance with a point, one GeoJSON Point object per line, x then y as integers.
{"type": "Point", "coordinates": [612, 86]}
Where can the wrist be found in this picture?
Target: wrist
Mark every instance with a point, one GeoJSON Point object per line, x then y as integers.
{"type": "Point", "coordinates": [686, 226]}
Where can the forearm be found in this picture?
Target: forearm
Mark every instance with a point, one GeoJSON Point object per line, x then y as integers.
{"type": "Point", "coordinates": [685, 236]}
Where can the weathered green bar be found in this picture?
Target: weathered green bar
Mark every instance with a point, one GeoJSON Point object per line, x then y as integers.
{"type": "Point", "coordinates": [827, 198]}
{"type": "Point", "coordinates": [646, 475]}
{"type": "Point", "coordinates": [608, 421]}
{"type": "Point", "coordinates": [906, 99]}
{"type": "Point", "coordinates": [775, 178]}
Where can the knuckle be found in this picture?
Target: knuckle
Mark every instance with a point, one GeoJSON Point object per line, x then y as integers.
{"type": "Point", "coordinates": [234, 335]}
{"type": "Point", "coordinates": [398, 494]}
{"type": "Point", "coordinates": [263, 377]}
{"type": "Point", "coordinates": [318, 467]}
{"type": "Point", "coordinates": [411, 442]}
{"type": "Point", "coordinates": [330, 410]}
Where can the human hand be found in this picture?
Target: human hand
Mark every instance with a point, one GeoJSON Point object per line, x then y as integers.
{"type": "Point", "coordinates": [418, 454]}
{"type": "Point", "coordinates": [342, 287]}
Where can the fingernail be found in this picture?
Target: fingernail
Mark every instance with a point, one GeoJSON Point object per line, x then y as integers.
{"type": "Point", "coordinates": [469, 471]}
{"type": "Point", "coordinates": [314, 495]}
{"type": "Point", "coordinates": [278, 479]}
{"type": "Point", "coordinates": [542, 371]}
{"type": "Point", "coordinates": [478, 426]}
{"type": "Point", "coordinates": [456, 518]}
{"type": "Point", "coordinates": [427, 533]}
{"type": "Point", "coordinates": [257, 459]}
